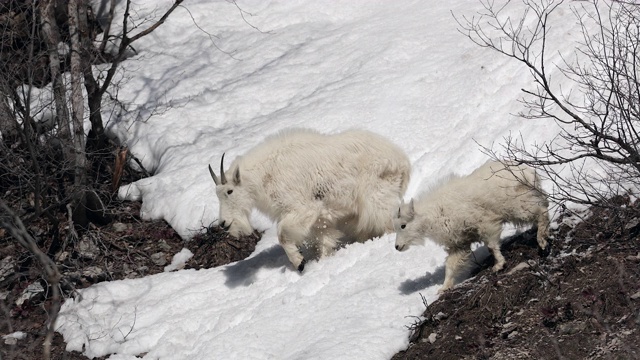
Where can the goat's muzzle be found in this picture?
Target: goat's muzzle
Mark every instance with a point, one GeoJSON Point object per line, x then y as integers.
{"type": "Point", "coordinates": [224, 225]}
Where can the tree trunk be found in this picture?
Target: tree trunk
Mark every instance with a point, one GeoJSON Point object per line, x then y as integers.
{"type": "Point", "coordinates": [8, 123]}
{"type": "Point", "coordinates": [77, 99]}
{"type": "Point", "coordinates": [51, 36]}
{"type": "Point", "coordinates": [96, 140]}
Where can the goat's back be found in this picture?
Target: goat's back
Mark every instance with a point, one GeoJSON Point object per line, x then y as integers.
{"type": "Point", "coordinates": [304, 164]}
{"type": "Point", "coordinates": [506, 192]}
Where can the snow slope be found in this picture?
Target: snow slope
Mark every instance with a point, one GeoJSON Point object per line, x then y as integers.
{"type": "Point", "coordinates": [397, 68]}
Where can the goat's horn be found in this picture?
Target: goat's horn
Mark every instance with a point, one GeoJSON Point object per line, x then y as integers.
{"type": "Point", "coordinates": [223, 179]}
{"type": "Point", "coordinates": [213, 176]}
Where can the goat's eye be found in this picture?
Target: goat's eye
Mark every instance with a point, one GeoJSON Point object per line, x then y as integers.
{"type": "Point", "coordinates": [403, 226]}
{"type": "Point", "coordinates": [229, 192]}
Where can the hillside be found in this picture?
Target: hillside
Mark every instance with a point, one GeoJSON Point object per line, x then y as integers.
{"type": "Point", "coordinates": [580, 302]}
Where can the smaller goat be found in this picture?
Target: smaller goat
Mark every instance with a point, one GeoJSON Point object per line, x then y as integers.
{"type": "Point", "coordinates": [473, 208]}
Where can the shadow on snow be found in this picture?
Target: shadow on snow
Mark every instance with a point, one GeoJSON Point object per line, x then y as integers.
{"type": "Point", "coordinates": [243, 272]}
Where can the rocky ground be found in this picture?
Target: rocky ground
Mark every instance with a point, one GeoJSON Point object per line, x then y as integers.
{"type": "Point", "coordinates": [581, 302]}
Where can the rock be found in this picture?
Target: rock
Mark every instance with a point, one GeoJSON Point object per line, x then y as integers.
{"type": "Point", "coordinates": [634, 258]}
{"type": "Point", "coordinates": [119, 227]}
{"type": "Point", "coordinates": [632, 224]}
{"type": "Point", "coordinates": [36, 231]}
{"type": "Point", "coordinates": [521, 266]}
{"type": "Point", "coordinates": [87, 249]}
{"type": "Point", "coordinates": [440, 316]}
{"type": "Point", "coordinates": [32, 292]}
{"type": "Point", "coordinates": [572, 328]}
{"type": "Point", "coordinates": [636, 296]}
{"type": "Point", "coordinates": [159, 259]}
{"type": "Point", "coordinates": [164, 246]}
{"type": "Point", "coordinates": [94, 273]}
{"type": "Point", "coordinates": [62, 256]}
{"type": "Point", "coordinates": [432, 338]}
{"type": "Point", "coordinates": [7, 267]}
{"type": "Point", "coordinates": [508, 329]}
{"type": "Point", "coordinates": [511, 354]}
{"type": "Point", "coordinates": [12, 339]}
{"type": "Point", "coordinates": [73, 276]}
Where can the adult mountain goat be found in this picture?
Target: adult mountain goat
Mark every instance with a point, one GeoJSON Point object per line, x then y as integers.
{"type": "Point", "coordinates": [464, 210]}
{"type": "Point", "coordinates": [320, 188]}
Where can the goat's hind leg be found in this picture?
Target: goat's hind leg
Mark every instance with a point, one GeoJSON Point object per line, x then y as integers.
{"type": "Point", "coordinates": [543, 231]}
{"type": "Point", "coordinates": [327, 235]}
{"type": "Point", "coordinates": [492, 240]}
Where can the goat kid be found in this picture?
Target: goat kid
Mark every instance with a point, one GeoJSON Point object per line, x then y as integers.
{"type": "Point", "coordinates": [473, 208]}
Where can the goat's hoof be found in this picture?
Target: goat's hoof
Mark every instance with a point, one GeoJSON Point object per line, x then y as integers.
{"type": "Point", "coordinates": [301, 266]}
{"type": "Point", "coordinates": [544, 252]}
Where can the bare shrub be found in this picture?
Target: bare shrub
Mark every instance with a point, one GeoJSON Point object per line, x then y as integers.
{"type": "Point", "coordinates": [53, 176]}
{"type": "Point", "coordinates": [595, 154]}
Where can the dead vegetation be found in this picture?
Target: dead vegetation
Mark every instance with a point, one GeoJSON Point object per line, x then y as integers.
{"type": "Point", "coordinates": [126, 248]}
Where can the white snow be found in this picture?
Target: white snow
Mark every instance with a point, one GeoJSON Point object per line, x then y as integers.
{"type": "Point", "coordinates": [398, 68]}
{"type": "Point", "coordinates": [18, 335]}
{"type": "Point", "coordinates": [179, 260]}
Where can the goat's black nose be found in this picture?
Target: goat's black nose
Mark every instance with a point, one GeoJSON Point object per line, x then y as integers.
{"type": "Point", "coordinates": [397, 247]}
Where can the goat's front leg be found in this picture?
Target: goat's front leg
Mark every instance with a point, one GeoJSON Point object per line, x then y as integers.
{"type": "Point", "coordinates": [292, 231]}
{"type": "Point", "coordinates": [454, 260]}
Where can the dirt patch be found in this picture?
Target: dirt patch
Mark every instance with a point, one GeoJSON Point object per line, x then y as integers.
{"type": "Point", "coordinates": [581, 302]}
{"type": "Point", "coordinates": [126, 248]}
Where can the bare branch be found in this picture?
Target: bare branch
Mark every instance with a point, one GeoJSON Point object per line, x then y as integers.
{"type": "Point", "coordinates": [597, 119]}
{"type": "Point", "coordinates": [12, 223]}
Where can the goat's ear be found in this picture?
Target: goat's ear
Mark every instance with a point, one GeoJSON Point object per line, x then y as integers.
{"type": "Point", "coordinates": [236, 176]}
{"type": "Point", "coordinates": [401, 208]}
{"type": "Point", "coordinates": [411, 208]}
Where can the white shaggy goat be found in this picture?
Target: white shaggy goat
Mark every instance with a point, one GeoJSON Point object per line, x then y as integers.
{"type": "Point", "coordinates": [320, 188]}
{"type": "Point", "coordinates": [464, 210]}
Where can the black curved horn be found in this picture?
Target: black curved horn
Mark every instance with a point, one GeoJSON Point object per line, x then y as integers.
{"type": "Point", "coordinates": [223, 179]}
{"type": "Point", "coordinates": [213, 176]}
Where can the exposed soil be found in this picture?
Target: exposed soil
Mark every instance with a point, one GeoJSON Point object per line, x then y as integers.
{"type": "Point", "coordinates": [581, 302]}
{"type": "Point", "coordinates": [126, 248]}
